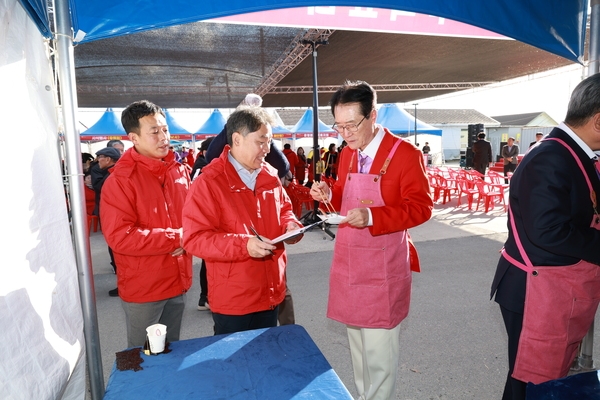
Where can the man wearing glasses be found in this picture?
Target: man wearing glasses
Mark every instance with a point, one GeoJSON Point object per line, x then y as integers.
{"type": "Point", "coordinates": [382, 190]}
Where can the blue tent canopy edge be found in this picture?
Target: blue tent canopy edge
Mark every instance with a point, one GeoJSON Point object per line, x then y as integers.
{"type": "Point", "coordinates": [556, 26]}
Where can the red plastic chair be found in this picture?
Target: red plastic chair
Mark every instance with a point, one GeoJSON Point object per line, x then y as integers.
{"type": "Point", "coordinates": [441, 188]}
{"type": "Point", "coordinates": [490, 194]}
{"type": "Point", "coordinates": [93, 223]}
{"type": "Point", "coordinates": [300, 197]}
{"type": "Point", "coordinates": [465, 187]}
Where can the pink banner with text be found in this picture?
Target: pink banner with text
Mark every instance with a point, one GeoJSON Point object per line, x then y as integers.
{"type": "Point", "coordinates": [361, 19]}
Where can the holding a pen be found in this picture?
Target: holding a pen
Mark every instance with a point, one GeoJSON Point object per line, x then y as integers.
{"type": "Point", "coordinates": [259, 248]}
{"type": "Point", "coordinates": [234, 218]}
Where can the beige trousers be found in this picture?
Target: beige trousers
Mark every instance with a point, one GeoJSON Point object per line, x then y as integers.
{"type": "Point", "coordinates": [375, 354]}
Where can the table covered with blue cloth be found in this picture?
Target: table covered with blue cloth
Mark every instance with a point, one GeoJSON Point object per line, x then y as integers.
{"type": "Point", "coordinates": [583, 386]}
{"type": "Point", "coordinates": [276, 363]}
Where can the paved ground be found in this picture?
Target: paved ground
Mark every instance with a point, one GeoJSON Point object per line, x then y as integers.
{"type": "Point", "coordinates": [453, 343]}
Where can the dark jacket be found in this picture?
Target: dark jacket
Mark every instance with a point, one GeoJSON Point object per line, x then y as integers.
{"type": "Point", "coordinates": [550, 202]}
{"type": "Point", "coordinates": [482, 152]}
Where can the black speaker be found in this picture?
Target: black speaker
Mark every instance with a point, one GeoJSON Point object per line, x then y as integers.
{"type": "Point", "coordinates": [473, 131]}
{"type": "Point", "coordinates": [469, 158]}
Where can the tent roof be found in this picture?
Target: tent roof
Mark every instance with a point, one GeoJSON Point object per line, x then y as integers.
{"type": "Point", "coordinates": [174, 127]}
{"type": "Point", "coordinates": [213, 65]}
{"type": "Point", "coordinates": [213, 125]}
{"type": "Point", "coordinates": [106, 128]}
{"type": "Point", "coordinates": [459, 116]}
{"type": "Point", "coordinates": [305, 124]}
{"type": "Point", "coordinates": [399, 121]}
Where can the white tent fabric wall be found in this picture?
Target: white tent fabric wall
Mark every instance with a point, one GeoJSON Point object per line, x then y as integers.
{"type": "Point", "coordinates": [40, 308]}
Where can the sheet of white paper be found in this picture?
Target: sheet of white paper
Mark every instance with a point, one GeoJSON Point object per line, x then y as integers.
{"type": "Point", "coordinates": [295, 232]}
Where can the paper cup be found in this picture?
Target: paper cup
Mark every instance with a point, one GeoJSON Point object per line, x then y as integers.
{"type": "Point", "coordinates": [157, 335]}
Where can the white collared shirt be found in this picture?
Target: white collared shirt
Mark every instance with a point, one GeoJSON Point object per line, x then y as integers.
{"type": "Point", "coordinates": [590, 153]}
{"type": "Point", "coordinates": [249, 178]}
{"type": "Point", "coordinates": [373, 146]}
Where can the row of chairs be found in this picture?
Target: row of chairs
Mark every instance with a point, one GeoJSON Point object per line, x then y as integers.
{"type": "Point", "coordinates": [300, 196]}
{"type": "Point", "coordinates": [487, 189]}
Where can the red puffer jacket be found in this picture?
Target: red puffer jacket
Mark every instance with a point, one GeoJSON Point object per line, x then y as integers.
{"type": "Point", "coordinates": [141, 205]}
{"type": "Point", "coordinates": [218, 212]}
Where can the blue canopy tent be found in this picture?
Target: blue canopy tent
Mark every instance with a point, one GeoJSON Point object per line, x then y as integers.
{"type": "Point", "coordinates": [304, 127]}
{"type": "Point", "coordinates": [400, 122]}
{"type": "Point", "coordinates": [279, 129]}
{"type": "Point", "coordinates": [108, 127]}
{"type": "Point", "coordinates": [213, 125]}
{"type": "Point", "coordinates": [177, 131]}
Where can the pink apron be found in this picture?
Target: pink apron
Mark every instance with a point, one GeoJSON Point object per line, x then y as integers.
{"type": "Point", "coordinates": [370, 278]}
{"type": "Point", "coordinates": [560, 305]}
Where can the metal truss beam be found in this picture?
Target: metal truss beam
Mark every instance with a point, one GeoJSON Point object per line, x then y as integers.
{"type": "Point", "coordinates": [295, 53]}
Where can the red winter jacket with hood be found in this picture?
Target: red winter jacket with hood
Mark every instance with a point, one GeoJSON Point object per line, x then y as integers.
{"type": "Point", "coordinates": [141, 208]}
{"type": "Point", "coordinates": [218, 212]}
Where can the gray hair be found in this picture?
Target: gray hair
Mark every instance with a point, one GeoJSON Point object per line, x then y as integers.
{"type": "Point", "coordinates": [584, 102]}
{"type": "Point", "coordinates": [245, 120]}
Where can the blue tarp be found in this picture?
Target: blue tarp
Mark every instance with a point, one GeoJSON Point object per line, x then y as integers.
{"type": "Point", "coordinates": [400, 122]}
{"type": "Point", "coordinates": [106, 128]}
{"type": "Point", "coordinates": [305, 125]}
{"type": "Point", "coordinates": [557, 26]}
{"type": "Point", "coordinates": [213, 125]}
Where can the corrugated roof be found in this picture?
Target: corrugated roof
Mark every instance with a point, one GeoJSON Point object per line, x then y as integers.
{"type": "Point", "coordinates": [517, 119]}
{"type": "Point", "coordinates": [452, 116]}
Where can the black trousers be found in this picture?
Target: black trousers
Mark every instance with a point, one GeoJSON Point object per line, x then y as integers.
{"type": "Point", "coordinates": [238, 323]}
{"type": "Point", "coordinates": [513, 322]}
{"type": "Point", "coordinates": [509, 168]}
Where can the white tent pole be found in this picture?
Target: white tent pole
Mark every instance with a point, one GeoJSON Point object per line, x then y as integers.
{"type": "Point", "coordinates": [68, 97]}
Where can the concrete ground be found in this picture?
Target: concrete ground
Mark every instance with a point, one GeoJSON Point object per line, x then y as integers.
{"type": "Point", "coordinates": [453, 344]}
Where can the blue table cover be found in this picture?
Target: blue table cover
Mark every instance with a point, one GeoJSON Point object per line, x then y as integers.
{"type": "Point", "coordinates": [583, 386]}
{"type": "Point", "coordinates": [276, 363]}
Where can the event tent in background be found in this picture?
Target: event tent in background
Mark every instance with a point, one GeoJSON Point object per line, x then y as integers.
{"type": "Point", "coordinates": [303, 132]}
{"type": "Point", "coordinates": [213, 125]}
{"type": "Point", "coordinates": [108, 127]}
{"type": "Point", "coordinates": [48, 294]}
{"type": "Point", "coordinates": [279, 129]}
{"type": "Point", "coordinates": [401, 123]}
{"type": "Point", "coordinates": [177, 131]}
{"type": "Point", "coordinates": [304, 127]}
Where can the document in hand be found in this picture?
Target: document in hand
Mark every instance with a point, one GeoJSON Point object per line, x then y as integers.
{"type": "Point", "coordinates": [294, 233]}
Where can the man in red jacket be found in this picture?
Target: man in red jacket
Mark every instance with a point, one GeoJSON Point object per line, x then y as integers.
{"type": "Point", "coordinates": [236, 195]}
{"type": "Point", "coordinates": [382, 190]}
{"type": "Point", "coordinates": [141, 213]}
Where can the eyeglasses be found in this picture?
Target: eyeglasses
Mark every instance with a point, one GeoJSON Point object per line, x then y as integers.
{"type": "Point", "coordinates": [350, 128]}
